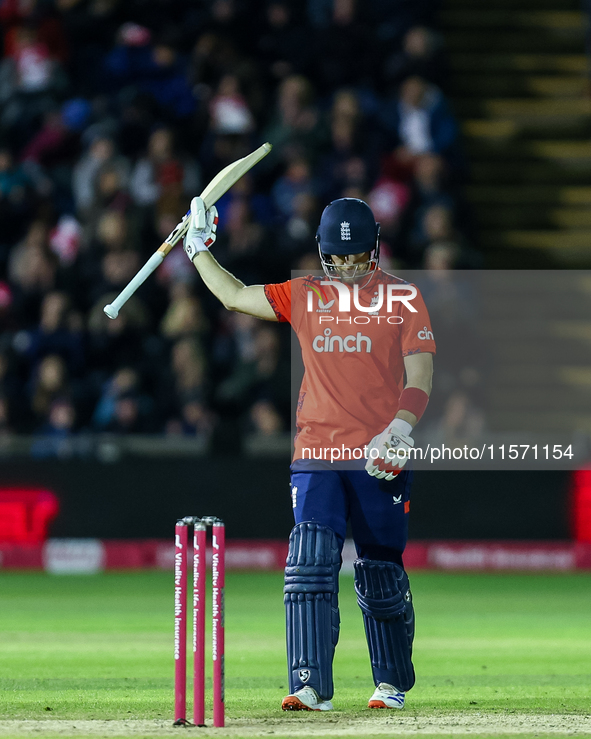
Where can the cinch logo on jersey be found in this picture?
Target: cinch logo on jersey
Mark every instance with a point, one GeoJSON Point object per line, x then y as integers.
{"type": "Point", "coordinates": [425, 334]}
{"type": "Point", "coordinates": [327, 343]}
{"type": "Point", "coordinates": [394, 294]}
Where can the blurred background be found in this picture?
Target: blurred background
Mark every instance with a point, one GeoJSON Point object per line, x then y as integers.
{"type": "Point", "coordinates": [467, 132]}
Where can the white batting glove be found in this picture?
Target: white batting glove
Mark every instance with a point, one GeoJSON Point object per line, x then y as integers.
{"type": "Point", "coordinates": [202, 228]}
{"type": "Point", "coordinates": [392, 447]}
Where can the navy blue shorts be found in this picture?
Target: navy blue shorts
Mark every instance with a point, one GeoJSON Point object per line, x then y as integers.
{"type": "Point", "coordinates": [378, 509]}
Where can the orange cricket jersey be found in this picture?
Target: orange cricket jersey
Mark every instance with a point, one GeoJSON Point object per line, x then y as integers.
{"type": "Point", "coordinates": [353, 351]}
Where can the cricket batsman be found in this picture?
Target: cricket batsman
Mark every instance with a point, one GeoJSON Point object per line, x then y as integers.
{"type": "Point", "coordinates": [367, 348]}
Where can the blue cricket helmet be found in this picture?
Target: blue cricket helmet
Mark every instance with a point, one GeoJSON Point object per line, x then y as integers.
{"type": "Point", "coordinates": [348, 226]}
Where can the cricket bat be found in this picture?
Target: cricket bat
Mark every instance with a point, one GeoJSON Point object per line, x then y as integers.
{"type": "Point", "coordinates": [220, 184]}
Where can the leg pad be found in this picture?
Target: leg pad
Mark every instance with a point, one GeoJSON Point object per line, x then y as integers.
{"type": "Point", "coordinates": [384, 596]}
{"type": "Point", "coordinates": [311, 607]}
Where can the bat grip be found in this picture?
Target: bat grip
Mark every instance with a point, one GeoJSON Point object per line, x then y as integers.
{"type": "Point", "coordinates": [175, 236]}
{"type": "Point", "coordinates": [112, 310]}
{"type": "Point", "coordinates": [165, 248]}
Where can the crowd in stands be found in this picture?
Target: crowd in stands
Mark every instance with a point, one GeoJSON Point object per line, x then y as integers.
{"type": "Point", "coordinates": [114, 113]}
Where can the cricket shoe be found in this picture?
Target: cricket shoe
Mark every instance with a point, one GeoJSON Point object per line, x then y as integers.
{"type": "Point", "coordinates": [386, 696]}
{"type": "Point", "coordinates": [306, 699]}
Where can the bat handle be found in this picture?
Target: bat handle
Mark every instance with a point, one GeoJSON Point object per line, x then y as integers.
{"type": "Point", "coordinates": [175, 236]}
{"type": "Point", "coordinates": [165, 248]}
{"type": "Point", "coordinates": [112, 310]}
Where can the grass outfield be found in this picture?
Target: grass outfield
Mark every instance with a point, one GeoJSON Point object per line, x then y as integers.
{"type": "Point", "coordinates": [100, 647]}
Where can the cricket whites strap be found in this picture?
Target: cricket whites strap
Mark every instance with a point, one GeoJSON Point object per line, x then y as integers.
{"type": "Point", "coordinates": [414, 400]}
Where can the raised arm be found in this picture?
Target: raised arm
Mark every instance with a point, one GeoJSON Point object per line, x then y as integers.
{"type": "Point", "coordinates": [233, 293]}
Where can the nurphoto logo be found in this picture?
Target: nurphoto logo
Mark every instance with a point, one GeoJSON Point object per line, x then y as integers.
{"type": "Point", "coordinates": [404, 294]}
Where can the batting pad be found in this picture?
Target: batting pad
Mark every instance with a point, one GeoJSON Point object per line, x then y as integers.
{"type": "Point", "coordinates": [311, 607]}
{"type": "Point", "coordinates": [383, 594]}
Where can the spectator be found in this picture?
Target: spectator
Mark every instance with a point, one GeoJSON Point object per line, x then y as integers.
{"type": "Point", "coordinates": [429, 189]}
{"type": "Point", "coordinates": [156, 69]}
{"type": "Point", "coordinates": [58, 333]}
{"type": "Point", "coordinates": [30, 79]}
{"type": "Point", "coordinates": [112, 232]}
{"type": "Point", "coordinates": [117, 269]}
{"type": "Point", "coordinates": [264, 418]}
{"type": "Point", "coordinates": [55, 435]}
{"type": "Point", "coordinates": [352, 158]}
{"type": "Point", "coordinates": [184, 316]}
{"type": "Point", "coordinates": [297, 128]}
{"type": "Point", "coordinates": [297, 235]}
{"type": "Point", "coordinates": [283, 43]}
{"type": "Point", "coordinates": [49, 383]}
{"type": "Point", "coordinates": [33, 66]}
{"type": "Point", "coordinates": [124, 381]}
{"type": "Point", "coordinates": [296, 181]}
{"type": "Point", "coordinates": [109, 194]}
{"type": "Point", "coordinates": [243, 241]}
{"type": "Point", "coordinates": [421, 55]}
{"type": "Point", "coordinates": [462, 422]}
{"type": "Point", "coordinates": [32, 269]}
{"type": "Point", "coordinates": [58, 140]}
{"type": "Point", "coordinates": [436, 226]}
{"type": "Point", "coordinates": [194, 419]}
{"type": "Point", "coordinates": [441, 256]}
{"type": "Point", "coordinates": [101, 153]}
{"type": "Point", "coordinates": [229, 112]}
{"type": "Point", "coordinates": [388, 200]}
{"type": "Point", "coordinates": [128, 417]}
{"type": "Point", "coordinates": [161, 168]}
{"type": "Point", "coordinates": [421, 122]}
{"type": "Point", "coordinates": [115, 343]}
{"type": "Point", "coordinates": [258, 372]}
{"type": "Point", "coordinates": [16, 201]}
{"type": "Point", "coordinates": [64, 240]}
{"type": "Point", "coordinates": [188, 366]}
{"type": "Point", "coordinates": [334, 64]}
